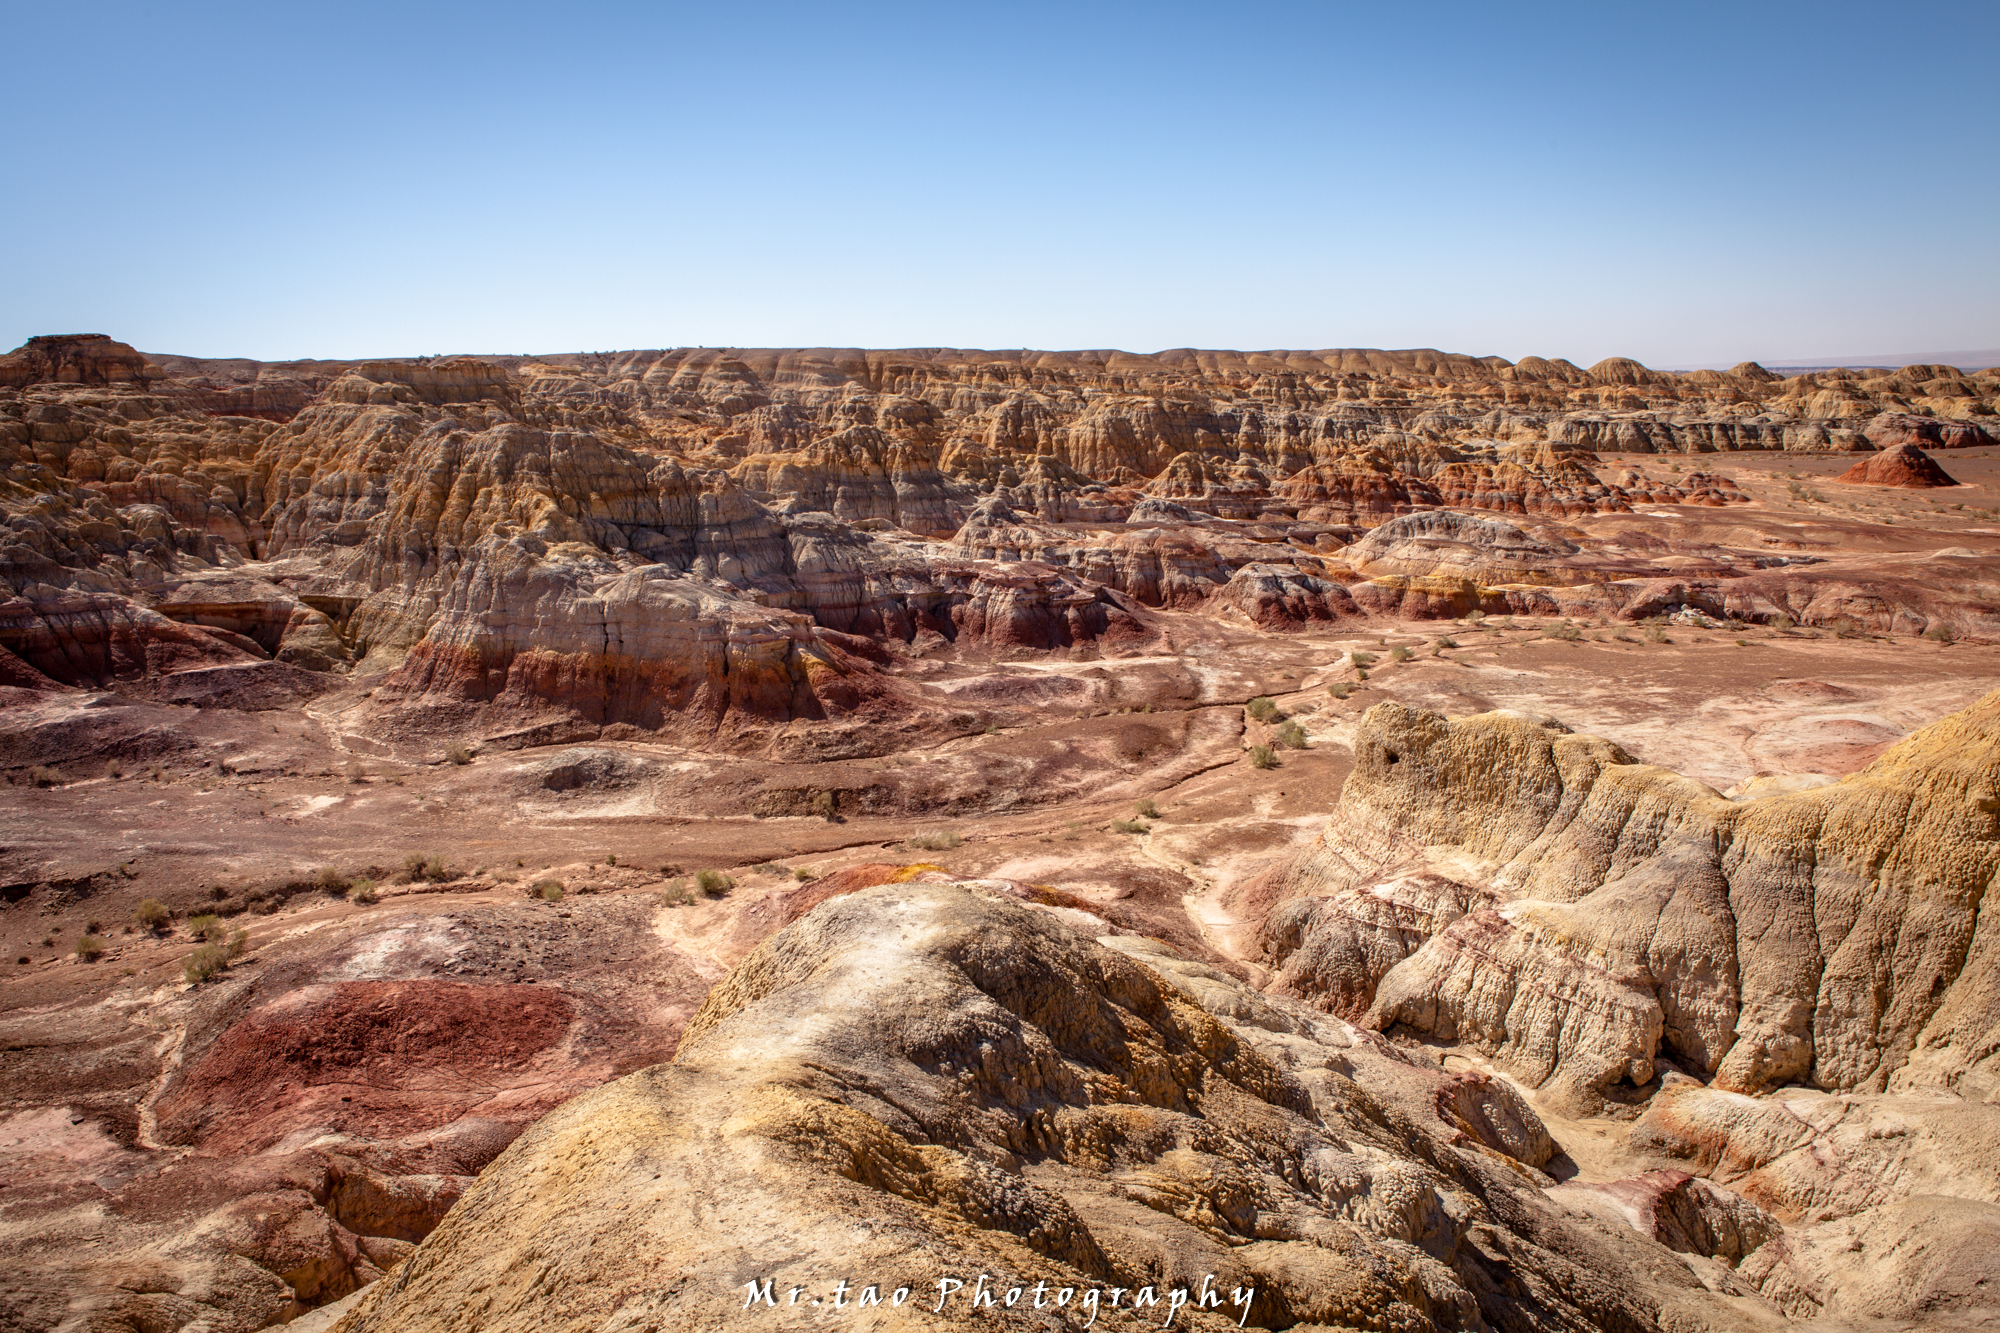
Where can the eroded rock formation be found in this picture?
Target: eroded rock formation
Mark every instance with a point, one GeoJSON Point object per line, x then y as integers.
{"type": "Point", "coordinates": [1498, 881]}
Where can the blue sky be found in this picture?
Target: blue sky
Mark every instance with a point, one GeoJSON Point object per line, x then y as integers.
{"type": "Point", "coordinates": [1683, 184]}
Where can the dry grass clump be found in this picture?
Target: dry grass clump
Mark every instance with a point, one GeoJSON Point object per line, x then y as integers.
{"type": "Point", "coordinates": [213, 959]}
{"type": "Point", "coordinates": [1263, 756]}
{"type": "Point", "coordinates": [934, 842]}
{"type": "Point", "coordinates": [1400, 654]}
{"type": "Point", "coordinates": [152, 914]}
{"type": "Point", "coordinates": [1130, 826]}
{"type": "Point", "coordinates": [1567, 632]}
{"type": "Point", "coordinates": [1146, 810]}
{"type": "Point", "coordinates": [1941, 634]}
{"type": "Point", "coordinates": [417, 866]}
{"type": "Point", "coordinates": [713, 883]}
{"type": "Point", "coordinates": [1263, 708]}
{"type": "Point", "coordinates": [89, 947]}
{"type": "Point", "coordinates": [1292, 736]}
{"type": "Point", "coordinates": [1340, 689]}
{"type": "Point", "coordinates": [205, 926]}
{"type": "Point", "coordinates": [41, 775]}
{"type": "Point", "coordinates": [548, 890]}
{"type": "Point", "coordinates": [1654, 634]}
{"type": "Point", "coordinates": [364, 892]}
{"type": "Point", "coordinates": [459, 755]}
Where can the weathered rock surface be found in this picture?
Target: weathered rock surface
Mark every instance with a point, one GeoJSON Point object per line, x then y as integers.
{"type": "Point", "coordinates": [919, 1084]}
{"type": "Point", "coordinates": [1497, 881]}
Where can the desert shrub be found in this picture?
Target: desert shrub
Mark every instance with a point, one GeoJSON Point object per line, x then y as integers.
{"type": "Point", "coordinates": [1263, 708]}
{"type": "Point", "coordinates": [213, 959]}
{"type": "Point", "coordinates": [331, 881]}
{"type": "Point", "coordinates": [1941, 634]}
{"type": "Point", "coordinates": [1362, 660]}
{"type": "Point", "coordinates": [114, 769]}
{"type": "Point", "coordinates": [1263, 756]}
{"type": "Point", "coordinates": [356, 774]}
{"type": "Point", "coordinates": [1129, 826]}
{"type": "Point", "coordinates": [1292, 736]}
{"type": "Point", "coordinates": [417, 866]}
{"type": "Point", "coordinates": [1446, 642]}
{"type": "Point", "coordinates": [1780, 622]}
{"type": "Point", "coordinates": [1654, 634]}
{"type": "Point", "coordinates": [822, 805]}
{"type": "Point", "coordinates": [676, 894]}
{"type": "Point", "coordinates": [89, 947]}
{"type": "Point", "coordinates": [205, 926]}
{"type": "Point", "coordinates": [934, 842]}
{"type": "Point", "coordinates": [611, 858]}
{"type": "Point", "coordinates": [1360, 674]}
{"type": "Point", "coordinates": [152, 913]}
{"type": "Point", "coordinates": [41, 775]}
{"type": "Point", "coordinates": [363, 891]}
{"type": "Point", "coordinates": [713, 883]}
{"type": "Point", "coordinates": [1566, 632]}
{"type": "Point", "coordinates": [1399, 654]}
{"type": "Point", "coordinates": [548, 890]}
{"type": "Point", "coordinates": [1146, 810]}
{"type": "Point", "coordinates": [1474, 616]}
{"type": "Point", "coordinates": [801, 874]}
{"type": "Point", "coordinates": [1340, 689]}
{"type": "Point", "coordinates": [459, 755]}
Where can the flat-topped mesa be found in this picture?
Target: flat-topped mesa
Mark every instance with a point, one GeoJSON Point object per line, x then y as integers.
{"type": "Point", "coordinates": [1499, 881]}
{"type": "Point", "coordinates": [75, 358]}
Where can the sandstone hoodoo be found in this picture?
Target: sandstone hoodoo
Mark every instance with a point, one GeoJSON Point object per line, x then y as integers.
{"type": "Point", "coordinates": [1042, 840]}
{"type": "Point", "coordinates": [1898, 465]}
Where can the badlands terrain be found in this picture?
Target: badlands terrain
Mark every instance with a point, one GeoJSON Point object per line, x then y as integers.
{"type": "Point", "coordinates": [1408, 840]}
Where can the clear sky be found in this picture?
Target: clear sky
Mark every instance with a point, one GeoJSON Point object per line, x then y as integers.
{"type": "Point", "coordinates": [1682, 183]}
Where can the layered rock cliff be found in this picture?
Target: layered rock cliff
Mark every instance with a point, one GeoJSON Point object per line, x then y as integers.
{"type": "Point", "coordinates": [1499, 881]}
{"type": "Point", "coordinates": [677, 541]}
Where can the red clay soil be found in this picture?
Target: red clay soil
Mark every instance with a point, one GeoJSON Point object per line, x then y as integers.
{"type": "Point", "coordinates": [374, 1058]}
{"type": "Point", "coordinates": [1903, 465]}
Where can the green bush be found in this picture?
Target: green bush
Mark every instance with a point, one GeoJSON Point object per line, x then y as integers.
{"type": "Point", "coordinates": [205, 926]}
{"type": "Point", "coordinates": [1263, 756]}
{"type": "Point", "coordinates": [1292, 736]}
{"type": "Point", "coordinates": [152, 913]}
{"type": "Point", "coordinates": [1263, 708]}
{"type": "Point", "coordinates": [714, 884]}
